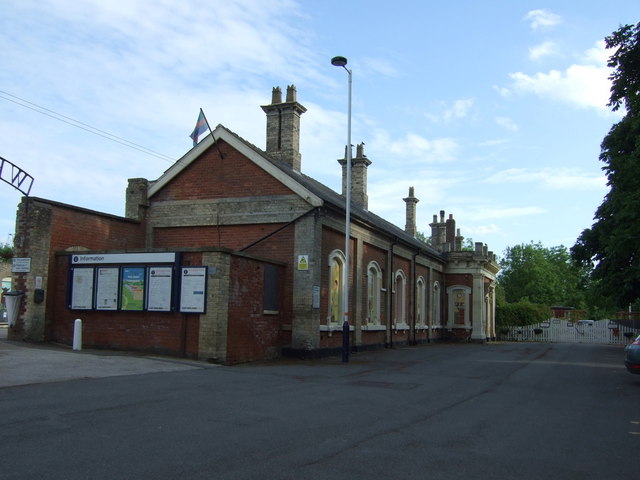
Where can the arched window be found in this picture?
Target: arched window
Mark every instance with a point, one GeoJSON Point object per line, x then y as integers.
{"type": "Point", "coordinates": [421, 302]}
{"type": "Point", "coordinates": [399, 305]}
{"type": "Point", "coordinates": [336, 288]}
{"type": "Point", "coordinates": [437, 320]}
{"type": "Point", "coordinates": [459, 296]}
{"type": "Point", "coordinates": [374, 286]}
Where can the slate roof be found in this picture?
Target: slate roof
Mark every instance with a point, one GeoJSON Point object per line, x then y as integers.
{"type": "Point", "coordinates": [330, 196]}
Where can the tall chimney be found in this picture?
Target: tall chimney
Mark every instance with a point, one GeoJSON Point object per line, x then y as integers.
{"type": "Point", "coordinates": [283, 127]}
{"type": "Point", "coordinates": [410, 225]}
{"type": "Point", "coordinates": [359, 166]}
{"type": "Point", "coordinates": [451, 231]}
{"type": "Point", "coordinates": [439, 232]}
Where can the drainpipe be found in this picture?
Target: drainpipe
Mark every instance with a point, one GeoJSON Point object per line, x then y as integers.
{"type": "Point", "coordinates": [389, 301]}
{"type": "Point", "coordinates": [429, 301]}
{"type": "Point", "coordinates": [412, 298]}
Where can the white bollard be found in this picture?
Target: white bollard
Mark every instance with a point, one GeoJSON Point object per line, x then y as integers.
{"type": "Point", "coordinates": [77, 334]}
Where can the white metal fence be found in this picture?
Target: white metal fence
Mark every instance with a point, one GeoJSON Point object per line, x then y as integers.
{"type": "Point", "coordinates": [562, 331]}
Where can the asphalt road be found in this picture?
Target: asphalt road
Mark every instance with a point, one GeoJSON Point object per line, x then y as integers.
{"type": "Point", "coordinates": [495, 411]}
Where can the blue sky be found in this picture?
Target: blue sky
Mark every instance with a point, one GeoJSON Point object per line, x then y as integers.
{"type": "Point", "coordinates": [493, 111]}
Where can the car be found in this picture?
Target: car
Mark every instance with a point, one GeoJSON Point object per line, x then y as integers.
{"type": "Point", "coordinates": [632, 356]}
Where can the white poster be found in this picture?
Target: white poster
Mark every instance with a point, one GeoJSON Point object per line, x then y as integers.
{"type": "Point", "coordinates": [159, 289]}
{"type": "Point", "coordinates": [82, 289]}
{"type": "Point", "coordinates": [107, 288]}
{"type": "Point", "coordinates": [192, 289]}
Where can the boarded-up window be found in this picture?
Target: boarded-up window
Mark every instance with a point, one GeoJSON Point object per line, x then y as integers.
{"type": "Point", "coordinates": [270, 302]}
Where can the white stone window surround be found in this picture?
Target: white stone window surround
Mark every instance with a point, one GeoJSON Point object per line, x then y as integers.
{"type": "Point", "coordinates": [399, 321]}
{"type": "Point", "coordinates": [452, 292]}
{"type": "Point", "coordinates": [374, 287]}
{"type": "Point", "coordinates": [436, 307]}
{"type": "Point", "coordinates": [421, 303]}
{"type": "Point", "coordinates": [335, 313]}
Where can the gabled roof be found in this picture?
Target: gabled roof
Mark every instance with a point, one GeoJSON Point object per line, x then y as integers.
{"type": "Point", "coordinates": [250, 151]}
{"type": "Point", "coordinates": [314, 192]}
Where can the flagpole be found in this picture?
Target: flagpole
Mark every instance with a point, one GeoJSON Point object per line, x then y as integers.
{"type": "Point", "coordinates": [207, 122]}
{"type": "Point", "coordinates": [215, 141]}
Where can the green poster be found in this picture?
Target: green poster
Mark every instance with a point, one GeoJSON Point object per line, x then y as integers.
{"type": "Point", "coordinates": [132, 297]}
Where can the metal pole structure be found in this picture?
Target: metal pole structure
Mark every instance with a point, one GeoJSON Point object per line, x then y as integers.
{"type": "Point", "coordinates": [342, 62]}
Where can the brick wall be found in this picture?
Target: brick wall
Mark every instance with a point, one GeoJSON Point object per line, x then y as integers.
{"type": "Point", "coordinates": [251, 333]}
{"type": "Point", "coordinates": [44, 227]}
{"type": "Point", "coordinates": [170, 333]}
{"type": "Point", "coordinates": [211, 177]}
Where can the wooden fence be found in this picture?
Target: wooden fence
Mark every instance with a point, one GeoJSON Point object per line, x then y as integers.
{"type": "Point", "coordinates": [562, 331]}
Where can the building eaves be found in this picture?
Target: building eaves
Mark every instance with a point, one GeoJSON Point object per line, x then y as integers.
{"type": "Point", "coordinates": [338, 201]}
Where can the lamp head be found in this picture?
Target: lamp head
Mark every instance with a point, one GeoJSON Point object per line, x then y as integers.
{"type": "Point", "coordinates": [339, 61]}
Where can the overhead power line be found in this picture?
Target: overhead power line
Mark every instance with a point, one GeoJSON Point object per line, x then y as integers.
{"type": "Point", "coordinates": [81, 125]}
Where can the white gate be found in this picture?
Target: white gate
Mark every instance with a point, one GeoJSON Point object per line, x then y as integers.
{"type": "Point", "coordinates": [562, 331]}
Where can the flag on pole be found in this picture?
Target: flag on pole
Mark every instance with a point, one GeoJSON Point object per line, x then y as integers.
{"type": "Point", "coordinates": [201, 126]}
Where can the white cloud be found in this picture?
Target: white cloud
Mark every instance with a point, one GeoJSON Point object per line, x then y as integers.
{"type": "Point", "coordinates": [585, 84]}
{"type": "Point", "coordinates": [482, 229]}
{"type": "Point", "coordinates": [376, 67]}
{"type": "Point", "coordinates": [459, 109]}
{"type": "Point", "coordinates": [508, 212]}
{"type": "Point", "coordinates": [542, 19]}
{"type": "Point", "coordinates": [418, 147]}
{"type": "Point", "coordinates": [558, 179]}
{"type": "Point", "coordinates": [507, 123]}
{"type": "Point", "coordinates": [544, 49]}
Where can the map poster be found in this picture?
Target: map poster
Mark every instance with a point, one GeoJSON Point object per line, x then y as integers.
{"type": "Point", "coordinates": [132, 293]}
{"type": "Point", "coordinates": [82, 289]}
{"type": "Point", "coordinates": [107, 288]}
{"type": "Point", "coordinates": [192, 289]}
{"type": "Point", "coordinates": [159, 289]}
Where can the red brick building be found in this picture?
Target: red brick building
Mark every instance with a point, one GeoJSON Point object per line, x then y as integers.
{"type": "Point", "coordinates": [235, 255]}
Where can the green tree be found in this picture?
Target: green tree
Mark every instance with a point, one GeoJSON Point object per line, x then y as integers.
{"type": "Point", "coordinates": [612, 245]}
{"type": "Point", "coordinates": [6, 252]}
{"type": "Point", "coordinates": [421, 236]}
{"type": "Point", "coordinates": [520, 314]}
{"type": "Point", "coordinates": [540, 275]}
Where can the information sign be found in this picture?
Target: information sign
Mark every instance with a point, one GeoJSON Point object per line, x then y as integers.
{"type": "Point", "coordinates": [82, 289]}
{"type": "Point", "coordinates": [132, 292]}
{"type": "Point", "coordinates": [107, 288]}
{"type": "Point", "coordinates": [193, 286]}
{"type": "Point", "coordinates": [159, 289]}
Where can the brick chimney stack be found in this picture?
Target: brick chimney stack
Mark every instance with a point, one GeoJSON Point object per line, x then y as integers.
{"type": "Point", "coordinates": [411, 201]}
{"type": "Point", "coordinates": [451, 231]}
{"type": "Point", "coordinates": [283, 126]}
{"type": "Point", "coordinates": [439, 232]}
{"type": "Point", "coordinates": [359, 166]}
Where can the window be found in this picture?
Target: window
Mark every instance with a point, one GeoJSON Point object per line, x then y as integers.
{"type": "Point", "coordinates": [458, 296]}
{"type": "Point", "coordinates": [437, 320]}
{"type": "Point", "coordinates": [374, 286]}
{"type": "Point", "coordinates": [399, 286]}
{"type": "Point", "coordinates": [336, 287]}
{"type": "Point", "coordinates": [270, 295]}
{"type": "Point", "coordinates": [421, 302]}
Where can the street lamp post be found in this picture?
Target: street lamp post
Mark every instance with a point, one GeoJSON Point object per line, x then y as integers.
{"type": "Point", "coordinates": [342, 62]}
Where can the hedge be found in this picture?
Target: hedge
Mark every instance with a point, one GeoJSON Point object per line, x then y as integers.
{"type": "Point", "coordinates": [521, 313]}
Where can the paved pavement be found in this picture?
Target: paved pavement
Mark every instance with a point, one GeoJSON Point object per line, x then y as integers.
{"type": "Point", "coordinates": [23, 363]}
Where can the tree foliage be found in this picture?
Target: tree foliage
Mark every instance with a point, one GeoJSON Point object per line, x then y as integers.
{"type": "Point", "coordinates": [540, 275]}
{"type": "Point", "coordinates": [6, 252]}
{"type": "Point", "coordinates": [612, 245]}
{"type": "Point", "coordinates": [520, 314]}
